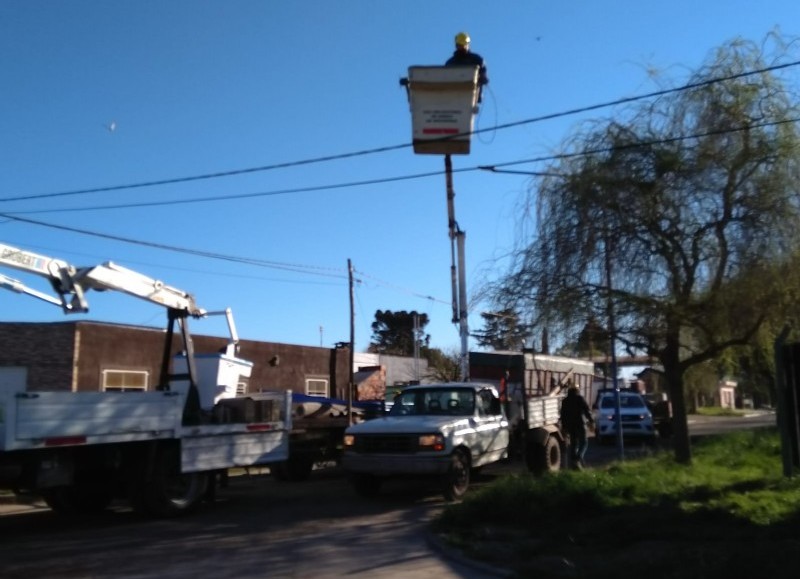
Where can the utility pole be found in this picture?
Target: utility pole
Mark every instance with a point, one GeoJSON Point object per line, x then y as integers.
{"type": "Point", "coordinates": [416, 347]}
{"type": "Point", "coordinates": [458, 277]}
{"type": "Point", "coordinates": [612, 330]}
{"type": "Point", "coordinates": [350, 381]}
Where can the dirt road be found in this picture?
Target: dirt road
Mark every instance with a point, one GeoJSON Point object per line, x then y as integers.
{"type": "Point", "coordinates": [257, 528]}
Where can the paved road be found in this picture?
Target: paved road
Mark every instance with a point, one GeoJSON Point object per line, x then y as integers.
{"type": "Point", "coordinates": [262, 528]}
{"type": "Point", "coordinates": [258, 528]}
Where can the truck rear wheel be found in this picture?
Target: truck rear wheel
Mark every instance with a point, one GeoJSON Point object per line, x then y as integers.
{"type": "Point", "coordinates": [543, 458]}
{"type": "Point", "coordinates": [296, 469]}
{"type": "Point", "coordinates": [170, 492]}
{"type": "Point", "coordinates": [455, 481]}
{"type": "Point", "coordinates": [78, 499]}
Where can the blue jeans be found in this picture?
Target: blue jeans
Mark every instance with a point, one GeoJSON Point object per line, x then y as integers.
{"type": "Point", "coordinates": [578, 444]}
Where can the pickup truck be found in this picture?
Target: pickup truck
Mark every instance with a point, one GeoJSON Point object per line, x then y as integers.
{"type": "Point", "coordinates": [439, 430]}
{"type": "Point", "coordinates": [446, 431]}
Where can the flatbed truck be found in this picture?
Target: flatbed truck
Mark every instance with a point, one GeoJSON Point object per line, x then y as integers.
{"type": "Point", "coordinates": [161, 450]}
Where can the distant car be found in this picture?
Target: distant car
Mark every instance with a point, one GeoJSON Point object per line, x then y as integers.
{"type": "Point", "coordinates": [637, 420]}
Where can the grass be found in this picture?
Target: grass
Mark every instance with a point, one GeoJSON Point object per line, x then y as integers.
{"type": "Point", "coordinates": [718, 411]}
{"type": "Point", "coordinates": [652, 515]}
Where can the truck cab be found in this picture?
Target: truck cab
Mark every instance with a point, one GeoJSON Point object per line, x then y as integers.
{"type": "Point", "coordinates": [435, 430]}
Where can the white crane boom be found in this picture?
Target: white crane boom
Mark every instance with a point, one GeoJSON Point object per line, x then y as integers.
{"type": "Point", "coordinates": [71, 283]}
{"type": "Point", "coordinates": [110, 276]}
{"type": "Point", "coordinates": [59, 274]}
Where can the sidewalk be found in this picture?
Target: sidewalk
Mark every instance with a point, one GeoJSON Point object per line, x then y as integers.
{"type": "Point", "coordinates": [11, 504]}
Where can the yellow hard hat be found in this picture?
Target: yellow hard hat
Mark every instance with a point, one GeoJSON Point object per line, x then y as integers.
{"type": "Point", "coordinates": [462, 39]}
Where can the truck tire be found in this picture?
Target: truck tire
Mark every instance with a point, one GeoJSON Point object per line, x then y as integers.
{"type": "Point", "coordinates": [78, 499]}
{"type": "Point", "coordinates": [296, 469]}
{"type": "Point", "coordinates": [365, 485]}
{"type": "Point", "coordinates": [543, 458]}
{"type": "Point", "coordinates": [169, 492]}
{"type": "Point", "coordinates": [455, 481]}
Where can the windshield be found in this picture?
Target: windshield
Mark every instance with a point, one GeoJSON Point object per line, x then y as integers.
{"type": "Point", "coordinates": [625, 401]}
{"type": "Point", "coordinates": [435, 401]}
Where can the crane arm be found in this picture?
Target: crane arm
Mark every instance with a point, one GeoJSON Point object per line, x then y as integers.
{"type": "Point", "coordinates": [17, 286]}
{"type": "Point", "coordinates": [110, 276]}
{"type": "Point", "coordinates": [71, 283]}
{"type": "Point", "coordinates": [59, 274]}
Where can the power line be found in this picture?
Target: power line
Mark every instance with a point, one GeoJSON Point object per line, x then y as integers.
{"type": "Point", "coordinates": [227, 275]}
{"type": "Point", "coordinates": [247, 195]}
{"type": "Point", "coordinates": [635, 145]}
{"type": "Point", "coordinates": [658, 93]}
{"type": "Point", "coordinates": [402, 289]}
{"type": "Point", "coordinates": [492, 168]}
{"type": "Point", "coordinates": [297, 268]}
{"type": "Point", "coordinates": [231, 173]}
{"type": "Point", "coordinates": [364, 152]}
{"type": "Point", "coordinates": [335, 273]}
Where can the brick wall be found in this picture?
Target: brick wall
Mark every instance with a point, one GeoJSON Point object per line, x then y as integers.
{"type": "Point", "coordinates": [48, 355]}
{"type": "Point", "coordinates": [73, 355]}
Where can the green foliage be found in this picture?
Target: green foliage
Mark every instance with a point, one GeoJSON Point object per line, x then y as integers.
{"type": "Point", "coordinates": [442, 366]}
{"type": "Point", "coordinates": [729, 514]}
{"type": "Point", "coordinates": [393, 332]}
{"type": "Point", "coordinates": [717, 411]}
{"type": "Point", "coordinates": [502, 331]}
{"type": "Point", "coordinates": [737, 475]}
{"type": "Point", "coordinates": [678, 215]}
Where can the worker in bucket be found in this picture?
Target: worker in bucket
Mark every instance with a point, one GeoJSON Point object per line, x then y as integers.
{"type": "Point", "coordinates": [573, 411]}
{"type": "Point", "coordinates": [463, 56]}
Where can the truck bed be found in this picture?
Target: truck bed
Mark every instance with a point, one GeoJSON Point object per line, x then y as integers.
{"type": "Point", "coordinates": [36, 419]}
{"type": "Point", "coordinates": [543, 411]}
{"type": "Point", "coordinates": [31, 420]}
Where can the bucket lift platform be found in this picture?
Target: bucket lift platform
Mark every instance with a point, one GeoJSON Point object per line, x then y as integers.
{"type": "Point", "coordinates": [443, 102]}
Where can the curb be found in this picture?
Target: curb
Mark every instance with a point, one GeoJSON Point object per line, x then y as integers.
{"type": "Point", "coordinates": [437, 544]}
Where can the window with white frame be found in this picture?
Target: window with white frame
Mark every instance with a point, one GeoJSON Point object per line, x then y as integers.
{"type": "Point", "coordinates": [317, 387]}
{"type": "Point", "coordinates": [125, 380]}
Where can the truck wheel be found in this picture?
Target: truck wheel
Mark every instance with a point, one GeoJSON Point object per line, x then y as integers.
{"type": "Point", "coordinates": [296, 469]}
{"type": "Point", "coordinates": [365, 485]}
{"type": "Point", "coordinates": [169, 492]}
{"type": "Point", "coordinates": [544, 458]}
{"type": "Point", "coordinates": [455, 481]}
{"type": "Point", "coordinates": [78, 499]}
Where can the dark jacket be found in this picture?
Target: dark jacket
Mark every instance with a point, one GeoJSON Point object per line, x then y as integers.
{"type": "Point", "coordinates": [467, 58]}
{"type": "Point", "coordinates": [573, 410]}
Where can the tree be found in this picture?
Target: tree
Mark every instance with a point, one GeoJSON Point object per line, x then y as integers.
{"type": "Point", "coordinates": [502, 331]}
{"type": "Point", "coordinates": [393, 332]}
{"type": "Point", "coordinates": [679, 219]}
{"type": "Point", "coordinates": [593, 341]}
{"type": "Point", "coordinates": [443, 366]}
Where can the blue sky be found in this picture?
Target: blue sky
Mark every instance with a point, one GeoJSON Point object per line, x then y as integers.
{"type": "Point", "coordinates": [198, 87]}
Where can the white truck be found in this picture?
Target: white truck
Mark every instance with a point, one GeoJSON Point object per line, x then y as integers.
{"type": "Point", "coordinates": [446, 431]}
{"type": "Point", "coordinates": [160, 449]}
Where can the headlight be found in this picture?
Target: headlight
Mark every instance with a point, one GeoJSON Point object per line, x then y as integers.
{"type": "Point", "coordinates": [431, 442]}
{"type": "Point", "coordinates": [349, 440]}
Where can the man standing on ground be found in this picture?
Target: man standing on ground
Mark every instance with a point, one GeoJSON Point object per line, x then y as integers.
{"type": "Point", "coordinates": [573, 411]}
